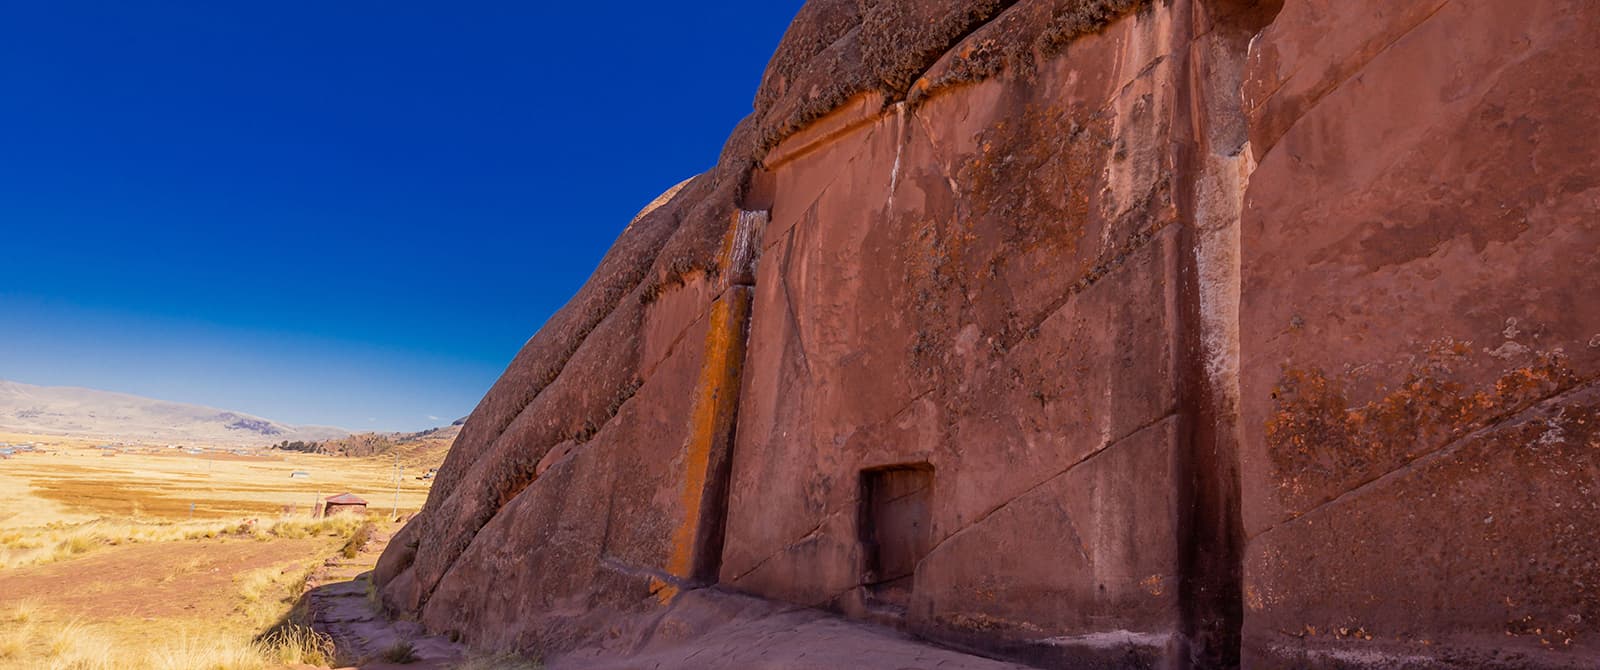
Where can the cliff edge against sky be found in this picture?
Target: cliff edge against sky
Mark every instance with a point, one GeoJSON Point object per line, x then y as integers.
{"type": "Point", "coordinates": [1078, 333]}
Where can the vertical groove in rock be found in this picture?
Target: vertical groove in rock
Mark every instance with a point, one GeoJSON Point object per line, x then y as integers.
{"type": "Point", "coordinates": [1215, 170]}
{"type": "Point", "coordinates": [696, 544]}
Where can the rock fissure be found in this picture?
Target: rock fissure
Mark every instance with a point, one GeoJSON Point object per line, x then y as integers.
{"type": "Point", "coordinates": [1045, 482]}
{"type": "Point", "coordinates": [803, 537]}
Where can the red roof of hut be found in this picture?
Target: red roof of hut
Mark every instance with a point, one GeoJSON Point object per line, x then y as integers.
{"type": "Point", "coordinates": [346, 499]}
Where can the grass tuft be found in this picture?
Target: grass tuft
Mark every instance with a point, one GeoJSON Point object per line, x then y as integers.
{"type": "Point", "coordinates": [21, 612]}
{"type": "Point", "coordinates": [400, 652]}
{"type": "Point", "coordinates": [16, 638]}
{"type": "Point", "coordinates": [358, 540]}
{"type": "Point", "coordinates": [75, 646]}
{"type": "Point", "coordinates": [296, 644]}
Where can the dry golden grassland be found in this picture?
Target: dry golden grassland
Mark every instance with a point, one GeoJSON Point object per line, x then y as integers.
{"type": "Point", "coordinates": [75, 482]}
{"type": "Point", "coordinates": [155, 559]}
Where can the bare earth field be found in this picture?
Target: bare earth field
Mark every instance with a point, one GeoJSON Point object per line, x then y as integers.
{"type": "Point", "coordinates": [157, 558]}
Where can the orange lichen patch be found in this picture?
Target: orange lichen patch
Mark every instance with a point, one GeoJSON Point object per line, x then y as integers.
{"type": "Point", "coordinates": [711, 423]}
{"type": "Point", "coordinates": [980, 621]}
{"type": "Point", "coordinates": [1153, 585]}
{"type": "Point", "coordinates": [1319, 446]}
{"type": "Point", "coordinates": [1253, 599]}
{"type": "Point", "coordinates": [1549, 634]}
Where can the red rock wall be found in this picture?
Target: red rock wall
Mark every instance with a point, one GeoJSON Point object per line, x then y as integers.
{"type": "Point", "coordinates": [1090, 333]}
{"type": "Point", "coordinates": [986, 284]}
{"type": "Point", "coordinates": [1421, 306]}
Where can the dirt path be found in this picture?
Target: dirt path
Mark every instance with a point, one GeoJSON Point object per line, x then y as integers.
{"type": "Point", "coordinates": [341, 607]}
{"type": "Point", "coordinates": [703, 629]}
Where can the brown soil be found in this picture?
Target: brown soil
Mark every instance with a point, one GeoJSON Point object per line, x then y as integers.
{"type": "Point", "coordinates": [169, 579]}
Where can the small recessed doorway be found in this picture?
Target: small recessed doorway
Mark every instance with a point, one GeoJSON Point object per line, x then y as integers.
{"type": "Point", "coordinates": [894, 522]}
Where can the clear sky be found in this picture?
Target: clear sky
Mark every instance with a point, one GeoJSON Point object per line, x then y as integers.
{"type": "Point", "coordinates": [344, 213]}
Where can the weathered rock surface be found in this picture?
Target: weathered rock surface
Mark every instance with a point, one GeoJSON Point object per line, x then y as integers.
{"type": "Point", "coordinates": [1420, 322]}
{"type": "Point", "coordinates": [1080, 333]}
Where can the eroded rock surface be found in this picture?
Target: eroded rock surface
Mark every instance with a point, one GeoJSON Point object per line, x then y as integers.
{"type": "Point", "coordinates": [1079, 333]}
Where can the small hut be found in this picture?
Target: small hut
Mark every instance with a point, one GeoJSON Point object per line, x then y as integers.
{"type": "Point", "coordinates": [299, 474]}
{"type": "Point", "coordinates": [344, 503]}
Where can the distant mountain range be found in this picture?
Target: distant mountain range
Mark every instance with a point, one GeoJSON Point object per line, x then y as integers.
{"type": "Point", "coordinates": [81, 412]}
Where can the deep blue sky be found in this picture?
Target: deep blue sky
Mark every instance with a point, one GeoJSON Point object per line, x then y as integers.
{"type": "Point", "coordinates": [346, 213]}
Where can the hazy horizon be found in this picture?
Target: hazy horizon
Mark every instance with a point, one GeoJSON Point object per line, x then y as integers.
{"type": "Point", "coordinates": [336, 215]}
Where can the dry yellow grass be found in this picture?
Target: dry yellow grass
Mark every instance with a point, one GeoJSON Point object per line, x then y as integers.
{"type": "Point", "coordinates": [294, 644]}
{"type": "Point", "coordinates": [61, 541]}
{"type": "Point", "coordinates": [35, 635]}
{"type": "Point", "coordinates": [162, 519]}
{"type": "Point", "coordinates": [79, 646]}
{"type": "Point", "coordinates": [76, 646]}
{"type": "Point", "coordinates": [18, 631]}
{"type": "Point", "coordinates": [15, 641]}
{"type": "Point", "coordinates": [76, 482]}
{"type": "Point", "coordinates": [191, 652]}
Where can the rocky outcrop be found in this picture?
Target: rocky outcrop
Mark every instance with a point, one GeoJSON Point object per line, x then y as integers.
{"type": "Point", "coordinates": [1082, 333]}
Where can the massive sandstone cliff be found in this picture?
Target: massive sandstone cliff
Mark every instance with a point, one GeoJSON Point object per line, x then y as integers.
{"type": "Point", "coordinates": [1082, 333]}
